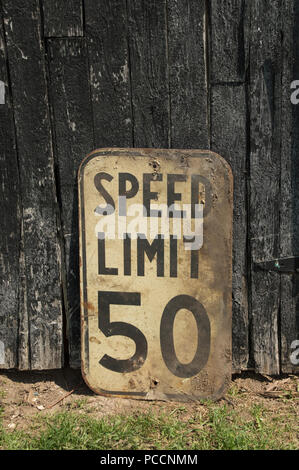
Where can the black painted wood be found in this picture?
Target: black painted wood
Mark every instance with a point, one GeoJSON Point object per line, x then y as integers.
{"type": "Point", "coordinates": [265, 140]}
{"type": "Point", "coordinates": [10, 227]}
{"type": "Point", "coordinates": [41, 261]}
{"type": "Point", "coordinates": [289, 187]}
{"type": "Point", "coordinates": [228, 59]}
{"type": "Point", "coordinates": [229, 139]}
{"type": "Point", "coordinates": [62, 18]}
{"type": "Point", "coordinates": [186, 25]}
{"type": "Point", "coordinates": [73, 125]}
{"type": "Point", "coordinates": [227, 53]}
{"type": "Point", "coordinates": [149, 72]}
{"type": "Point", "coordinates": [108, 56]}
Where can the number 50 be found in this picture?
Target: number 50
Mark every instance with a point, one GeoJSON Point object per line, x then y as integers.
{"type": "Point", "coordinates": [105, 299]}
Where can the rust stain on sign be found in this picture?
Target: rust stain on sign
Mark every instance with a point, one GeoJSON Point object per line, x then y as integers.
{"type": "Point", "coordinates": [155, 245]}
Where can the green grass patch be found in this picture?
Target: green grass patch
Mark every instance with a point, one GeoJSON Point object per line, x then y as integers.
{"type": "Point", "coordinates": [218, 428]}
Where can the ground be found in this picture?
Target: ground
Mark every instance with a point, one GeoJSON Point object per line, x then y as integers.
{"type": "Point", "coordinates": [257, 412]}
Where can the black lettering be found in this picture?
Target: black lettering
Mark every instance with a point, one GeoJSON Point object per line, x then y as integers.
{"type": "Point", "coordinates": [127, 255]}
{"type": "Point", "coordinates": [173, 256]}
{"type": "Point", "coordinates": [194, 263]}
{"type": "Point", "coordinates": [102, 257]}
{"type": "Point", "coordinates": [172, 196]}
{"type": "Point", "coordinates": [167, 340]}
{"type": "Point", "coordinates": [151, 250]}
{"type": "Point", "coordinates": [105, 299]}
{"type": "Point", "coordinates": [122, 188]}
{"type": "Point", "coordinates": [149, 195]}
{"type": "Point", "coordinates": [109, 209]}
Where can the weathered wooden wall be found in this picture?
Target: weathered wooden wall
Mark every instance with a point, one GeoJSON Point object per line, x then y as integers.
{"type": "Point", "coordinates": [83, 74]}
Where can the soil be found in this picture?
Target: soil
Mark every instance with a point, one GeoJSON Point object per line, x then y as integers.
{"type": "Point", "coordinates": [25, 394]}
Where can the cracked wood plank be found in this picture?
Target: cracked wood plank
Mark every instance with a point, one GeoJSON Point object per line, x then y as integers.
{"type": "Point", "coordinates": [228, 57]}
{"type": "Point", "coordinates": [71, 105]}
{"type": "Point", "coordinates": [10, 227]}
{"type": "Point", "coordinates": [62, 18]}
{"type": "Point", "coordinates": [42, 277]}
{"type": "Point", "coordinates": [188, 74]}
{"type": "Point", "coordinates": [108, 56]}
{"type": "Point", "coordinates": [149, 72]}
{"type": "Point", "coordinates": [265, 113]}
{"type": "Point", "coordinates": [229, 139]}
{"type": "Point", "coordinates": [289, 205]}
{"type": "Point", "coordinates": [227, 37]}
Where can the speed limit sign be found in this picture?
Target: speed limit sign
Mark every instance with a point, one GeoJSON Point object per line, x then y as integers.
{"type": "Point", "coordinates": [156, 273]}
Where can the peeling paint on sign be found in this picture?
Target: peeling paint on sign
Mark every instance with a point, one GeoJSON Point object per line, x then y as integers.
{"type": "Point", "coordinates": [156, 269]}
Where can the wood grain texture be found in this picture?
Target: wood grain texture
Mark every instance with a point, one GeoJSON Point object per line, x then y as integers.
{"type": "Point", "coordinates": [187, 74]}
{"type": "Point", "coordinates": [265, 110]}
{"type": "Point", "coordinates": [229, 139]}
{"type": "Point", "coordinates": [228, 61]}
{"type": "Point", "coordinates": [149, 72]}
{"type": "Point", "coordinates": [71, 106]}
{"type": "Point", "coordinates": [42, 290]}
{"type": "Point", "coordinates": [289, 187]}
{"type": "Point", "coordinates": [227, 52]}
{"type": "Point", "coordinates": [62, 18]}
{"type": "Point", "coordinates": [106, 35]}
{"type": "Point", "coordinates": [10, 227]}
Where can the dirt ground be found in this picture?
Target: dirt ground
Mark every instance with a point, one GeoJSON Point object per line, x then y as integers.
{"type": "Point", "coordinates": [25, 394]}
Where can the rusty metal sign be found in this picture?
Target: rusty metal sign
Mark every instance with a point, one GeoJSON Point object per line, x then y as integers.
{"type": "Point", "coordinates": [156, 273]}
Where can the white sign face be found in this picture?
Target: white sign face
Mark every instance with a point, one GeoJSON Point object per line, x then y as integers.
{"type": "Point", "coordinates": [155, 245]}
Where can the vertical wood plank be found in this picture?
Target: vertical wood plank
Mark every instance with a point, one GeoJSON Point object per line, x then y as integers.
{"type": "Point", "coordinates": [71, 105]}
{"type": "Point", "coordinates": [106, 35]}
{"type": "Point", "coordinates": [228, 55]}
{"type": "Point", "coordinates": [265, 109]}
{"type": "Point", "coordinates": [229, 139]}
{"type": "Point", "coordinates": [62, 18]}
{"type": "Point", "coordinates": [41, 248]}
{"type": "Point", "coordinates": [227, 60]}
{"type": "Point", "coordinates": [187, 73]}
{"type": "Point", "coordinates": [10, 227]}
{"type": "Point", "coordinates": [149, 72]}
{"type": "Point", "coordinates": [289, 205]}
